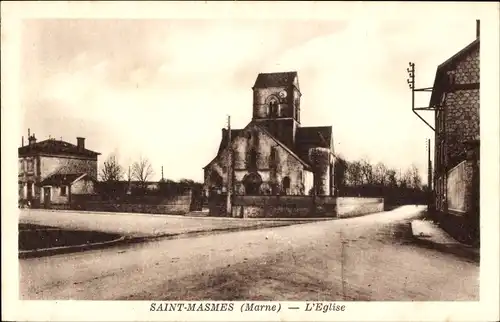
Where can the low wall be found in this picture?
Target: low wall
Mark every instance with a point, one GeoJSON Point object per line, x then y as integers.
{"type": "Point", "coordinates": [355, 206]}
{"type": "Point", "coordinates": [282, 207]}
{"type": "Point", "coordinates": [181, 204]}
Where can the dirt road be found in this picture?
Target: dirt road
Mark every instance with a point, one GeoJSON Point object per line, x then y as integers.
{"type": "Point", "coordinates": [365, 258]}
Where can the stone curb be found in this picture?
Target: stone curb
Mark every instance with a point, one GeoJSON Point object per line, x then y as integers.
{"type": "Point", "coordinates": [457, 248]}
{"type": "Point", "coordinates": [135, 240]}
{"type": "Point", "coordinates": [68, 249]}
{"type": "Point", "coordinates": [109, 213]}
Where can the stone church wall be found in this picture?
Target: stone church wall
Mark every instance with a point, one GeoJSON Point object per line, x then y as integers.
{"type": "Point", "coordinates": [272, 162]}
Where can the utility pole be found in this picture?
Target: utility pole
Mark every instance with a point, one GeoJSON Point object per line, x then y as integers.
{"type": "Point", "coordinates": [429, 173]}
{"type": "Point", "coordinates": [411, 85]}
{"type": "Point", "coordinates": [229, 168]}
{"type": "Point", "coordinates": [162, 174]}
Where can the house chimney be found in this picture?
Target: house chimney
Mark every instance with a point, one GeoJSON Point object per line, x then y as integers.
{"type": "Point", "coordinates": [478, 29]}
{"type": "Point", "coordinates": [80, 143]}
{"type": "Point", "coordinates": [32, 139]}
{"type": "Point", "coordinates": [22, 140]}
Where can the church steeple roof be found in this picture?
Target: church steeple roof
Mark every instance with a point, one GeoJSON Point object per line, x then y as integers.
{"type": "Point", "coordinates": [265, 80]}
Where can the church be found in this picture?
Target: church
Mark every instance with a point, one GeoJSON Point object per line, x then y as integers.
{"type": "Point", "coordinates": [273, 154]}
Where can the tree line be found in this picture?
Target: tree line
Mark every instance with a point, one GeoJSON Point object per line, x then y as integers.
{"type": "Point", "coordinates": [362, 178]}
{"type": "Point", "coordinates": [115, 180]}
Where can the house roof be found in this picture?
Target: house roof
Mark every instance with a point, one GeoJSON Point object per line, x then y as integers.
{"type": "Point", "coordinates": [306, 138]}
{"type": "Point", "coordinates": [58, 179]}
{"type": "Point", "coordinates": [441, 79]}
{"type": "Point", "coordinates": [52, 146]}
{"type": "Point", "coordinates": [265, 80]}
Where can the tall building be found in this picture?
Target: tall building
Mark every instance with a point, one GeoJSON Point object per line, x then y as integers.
{"type": "Point", "coordinates": [274, 154]}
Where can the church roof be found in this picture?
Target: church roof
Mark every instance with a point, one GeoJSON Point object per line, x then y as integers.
{"type": "Point", "coordinates": [275, 79]}
{"type": "Point", "coordinates": [312, 137]}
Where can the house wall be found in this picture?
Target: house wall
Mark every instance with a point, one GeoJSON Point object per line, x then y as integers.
{"type": "Point", "coordinates": [28, 176]}
{"type": "Point", "coordinates": [458, 123]}
{"type": "Point", "coordinates": [65, 164]}
{"type": "Point", "coordinates": [55, 195]}
{"type": "Point", "coordinates": [271, 171]}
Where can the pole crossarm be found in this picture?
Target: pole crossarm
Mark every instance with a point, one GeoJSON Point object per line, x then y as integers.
{"type": "Point", "coordinates": [425, 89]}
{"type": "Point", "coordinates": [430, 108]}
{"type": "Point", "coordinates": [411, 85]}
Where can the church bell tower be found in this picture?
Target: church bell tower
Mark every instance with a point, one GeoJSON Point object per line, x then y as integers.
{"type": "Point", "coordinates": [276, 104]}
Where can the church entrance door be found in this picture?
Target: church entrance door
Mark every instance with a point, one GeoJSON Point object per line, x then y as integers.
{"type": "Point", "coordinates": [252, 182]}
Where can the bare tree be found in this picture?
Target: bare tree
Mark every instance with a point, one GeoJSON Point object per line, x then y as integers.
{"type": "Point", "coordinates": [366, 172]}
{"type": "Point", "coordinates": [112, 170]}
{"type": "Point", "coordinates": [380, 172]}
{"type": "Point", "coordinates": [414, 177]}
{"type": "Point", "coordinates": [404, 179]}
{"type": "Point", "coordinates": [340, 171]}
{"type": "Point", "coordinates": [354, 173]}
{"type": "Point", "coordinates": [142, 170]}
{"type": "Point", "coordinates": [392, 179]}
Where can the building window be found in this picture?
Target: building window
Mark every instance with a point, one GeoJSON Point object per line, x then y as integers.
{"type": "Point", "coordinates": [29, 189]}
{"type": "Point", "coordinates": [252, 159]}
{"type": "Point", "coordinates": [21, 166]}
{"type": "Point", "coordinates": [286, 185]}
{"type": "Point", "coordinates": [274, 107]}
{"type": "Point", "coordinates": [63, 191]}
{"type": "Point", "coordinates": [30, 165]}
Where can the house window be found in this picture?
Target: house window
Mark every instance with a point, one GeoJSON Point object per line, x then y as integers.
{"type": "Point", "coordinates": [21, 166]}
{"type": "Point", "coordinates": [30, 165]}
{"type": "Point", "coordinates": [63, 190]}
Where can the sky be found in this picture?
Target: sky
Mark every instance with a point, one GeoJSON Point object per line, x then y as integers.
{"type": "Point", "coordinates": [162, 89]}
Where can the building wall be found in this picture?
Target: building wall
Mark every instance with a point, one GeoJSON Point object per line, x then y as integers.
{"type": "Point", "coordinates": [55, 195]}
{"type": "Point", "coordinates": [271, 168]}
{"type": "Point", "coordinates": [83, 186]}
{"type": "Point", "coordinates": [455, 125]}
{"type": "Point", "coordinates": [27, 175]}
{"type": "Point", "coordinates": [458, 184]}
{"type": "Point", "coordinates": [64, 164]}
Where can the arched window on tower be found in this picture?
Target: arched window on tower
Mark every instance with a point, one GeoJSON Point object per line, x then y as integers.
{"type": "Point", "coordinates": [286, 185]}
{"type": "Point", "coordinates": [273, 107]}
